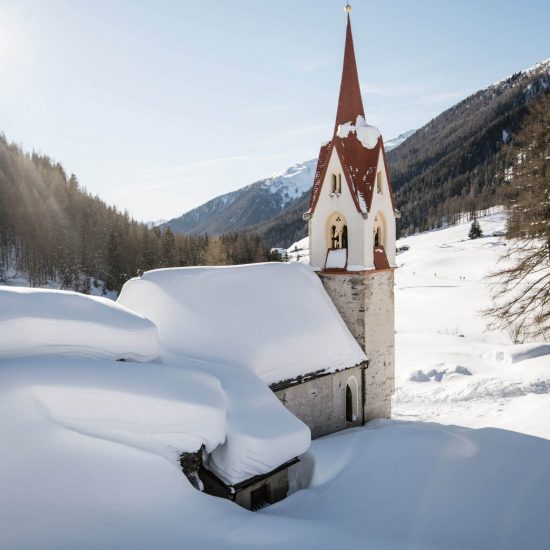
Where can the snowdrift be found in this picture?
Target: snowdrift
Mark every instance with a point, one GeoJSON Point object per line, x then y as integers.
{"type": "Point", "coordinates": [165, 409]}
{"type": "Point", "coordinates": [50, 322]}
{"type": "Point", "coordinates": [261, 433]}
{"type": "Point", "coordinates": [422, 486]}
{"type": "Point", "coordinates": [274, 319]}
{"type": "Point", "coordinates": [156, 408]}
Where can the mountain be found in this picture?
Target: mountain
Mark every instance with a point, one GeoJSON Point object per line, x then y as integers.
{"type": "Point", "coordinates": [455, 163]}
{"type": "Point", "coordinates": [55, 234]}
{"type": "Point", "coordinates": [256, 204]}
{"type": "Point", "coordinates": [248, 206]}
{"type": "Point", "coordinates": [155, 223]}
{"type": "Point", "coordinates": [395, 142]}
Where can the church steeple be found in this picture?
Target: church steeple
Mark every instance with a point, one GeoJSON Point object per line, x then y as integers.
{"type": "Point", "coordinates": [350, 103]}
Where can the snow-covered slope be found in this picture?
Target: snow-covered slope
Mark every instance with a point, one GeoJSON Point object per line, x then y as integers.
{"type": "Point", "coordinates": [396, 141]}
{"type": "Point", "coordinates": [449, 368]}
{"type": "Point", "coordinates": [293, 182]}
{"type": "Point", "coordinates": [90, 446]}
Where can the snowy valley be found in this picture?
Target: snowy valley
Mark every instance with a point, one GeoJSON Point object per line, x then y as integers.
{"type": "Point", "coordinates": [90, 443]}
{"type": "Point", "coordinates": [449, 368]}
{"type": "Point", "coordinates": [197, 383]}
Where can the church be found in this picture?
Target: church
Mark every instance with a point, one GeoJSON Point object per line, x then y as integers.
{"type": "Point", "coordinates": [314, 344]}
{"type": "Point", "coordinates": [351, 222]}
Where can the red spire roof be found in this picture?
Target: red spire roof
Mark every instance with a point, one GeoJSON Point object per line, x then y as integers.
{"type": "Point", "coordinates": [359, 163]}
{"type": "Point", "coordinates": [350, 103]}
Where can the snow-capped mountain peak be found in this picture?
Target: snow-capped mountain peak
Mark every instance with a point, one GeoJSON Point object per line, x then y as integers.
{"type": "Point", "coordinates": [255, 203]}
{"type": "Point", "coordinates": [292, 182]}
{"type": "Point", "coordinates": [541, 67]}
{"type": "Point", "coordinates": [396, 141]}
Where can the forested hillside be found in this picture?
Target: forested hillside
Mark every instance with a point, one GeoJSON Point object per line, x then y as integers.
{"type": "Point", "coordinates": [455, 163]}
{"type": "Point", "coordinates": [54, 233]}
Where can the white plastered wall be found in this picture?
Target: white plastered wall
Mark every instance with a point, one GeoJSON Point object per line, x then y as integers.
{"type": "Point", "coordinates": [382, 206]}
{"type": "Point", "coordinates": [360, 230]}
{"type": "Point", "coordinates": [326, 206]}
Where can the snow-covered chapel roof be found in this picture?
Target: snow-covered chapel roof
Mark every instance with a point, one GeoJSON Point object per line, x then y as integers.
{"type": "Point", "coordinates": [357, 144]}
{"type": "Point", "coordinates": [41, 322]}
{"type": "Point", "coordinates": [274, 319]}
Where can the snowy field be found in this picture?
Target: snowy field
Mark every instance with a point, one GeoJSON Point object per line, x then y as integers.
{"type": "Point", "coordinates": [90, 444]}
{"type": "Point", "coordinates": [449, 369]}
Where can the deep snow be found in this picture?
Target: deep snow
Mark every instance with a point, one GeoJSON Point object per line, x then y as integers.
{"type": "Point", "coordinates": [440, 292]}
{"type": "Point", "coordinates": [60, 323]}
{"type": "Point", "coordinates": [449, 368]}
{"type": "Point", "coordinates": [274, 319]}
{"type": "Point", "coordinates": [89, 446]}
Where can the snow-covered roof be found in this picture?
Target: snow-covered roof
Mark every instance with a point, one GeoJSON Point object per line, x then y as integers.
{"type": "Point", "coordinates": [274, 319]}
{"type": "Point", "coordinates": [52, 322]}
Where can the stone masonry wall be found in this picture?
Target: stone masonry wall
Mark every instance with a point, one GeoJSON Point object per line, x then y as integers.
{"type": "Point", "coordinates": [366, 304]}
{"type": "Point", "coordinates": [321, 403]}
{"type": "Point", "coordinates": [379, 344]}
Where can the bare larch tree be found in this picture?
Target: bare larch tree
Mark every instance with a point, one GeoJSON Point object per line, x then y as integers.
{"type": "Point", "coordinates": [521, 291]}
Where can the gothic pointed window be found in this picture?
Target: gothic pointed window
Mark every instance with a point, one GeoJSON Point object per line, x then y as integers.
{"type": "Point", "coordinates": [379, 182]}
{"type": "Point", "coordinates": [345, 236]}
{"type": "Point", "coordinates": [349, 404]}
{"type": "Point", "coordinates": [336, 187]}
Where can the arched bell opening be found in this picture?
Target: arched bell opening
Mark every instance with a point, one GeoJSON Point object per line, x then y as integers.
{"type": "Point", "coordinates": [379, 231]}
{"type": "Point", "coordinates": [337, 232]}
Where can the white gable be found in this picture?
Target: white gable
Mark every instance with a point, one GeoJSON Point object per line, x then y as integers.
{"type": "Point", "coordinates": [328, 204]}
{"type": "Point", "coordinates": [360, 225]}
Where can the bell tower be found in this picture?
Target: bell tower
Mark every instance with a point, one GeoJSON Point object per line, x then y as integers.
{"type": "Point", "coordinates": [351, 222]}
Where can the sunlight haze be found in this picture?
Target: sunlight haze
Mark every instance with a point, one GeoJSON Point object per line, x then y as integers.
{"type": "Point", "coordinates": [158, 107]}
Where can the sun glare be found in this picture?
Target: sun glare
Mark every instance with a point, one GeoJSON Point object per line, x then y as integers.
{"type": "Point", "coordinates": [12, 42]}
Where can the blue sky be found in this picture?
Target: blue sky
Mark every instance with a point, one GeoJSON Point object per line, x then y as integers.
{"type": "Point", "coordinates": [159, 106]}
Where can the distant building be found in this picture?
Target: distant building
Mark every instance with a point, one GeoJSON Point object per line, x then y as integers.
{"type": "Point", "coordinates": [281, 252]}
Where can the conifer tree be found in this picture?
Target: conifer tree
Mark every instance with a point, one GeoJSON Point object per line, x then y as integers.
{"type": "Point", "coordinates": [475, 230]}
